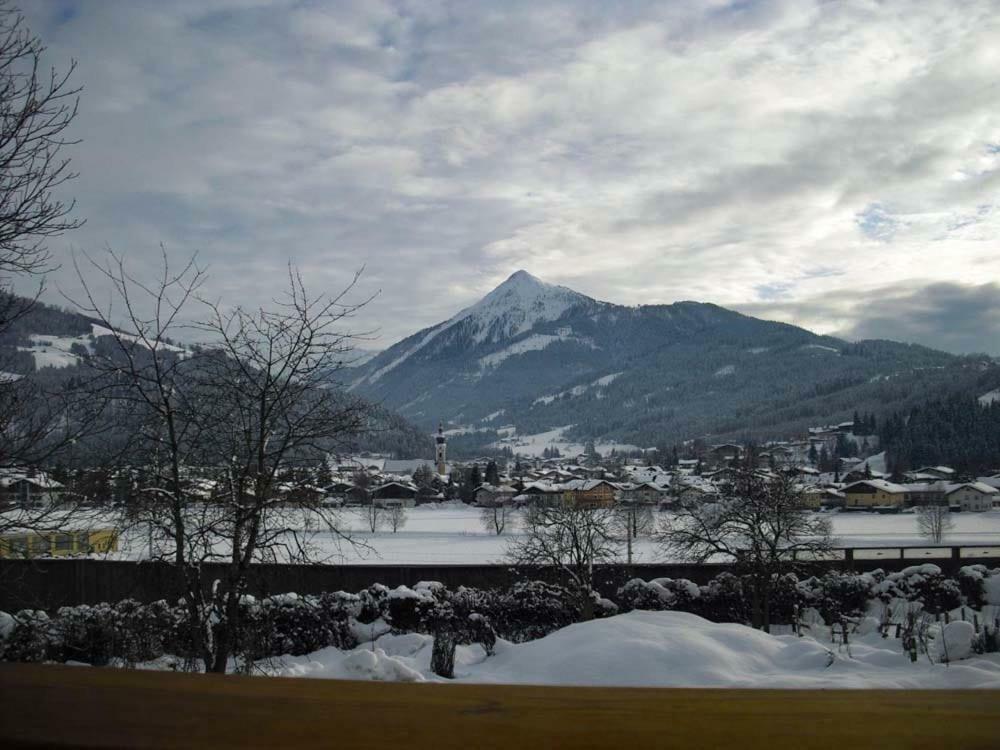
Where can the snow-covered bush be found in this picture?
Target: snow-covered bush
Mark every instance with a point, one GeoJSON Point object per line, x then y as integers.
{"type": "Point", "coordinates": [290, 624]}
{"type": "Point", "coordinates": [479, 630]}
{"type": "Point", "coordinates": [659, 594]}
{"type": "Point", "coordinates": [723, 600]}
{"type": "Point", "coordinates": [29, 640]}
{"type": "Point", "coordinates": [411, 610]}
{"type": "Point", "coordinates": [975, 583]}
{"type": "Point", "coordinates": [926, 585]}
{"type": "Point", "coordinates": [373, 602]}
{"type": "Point", "coordinates": [785, 600]}
{"type": "Point", "coordinates": [533, 609]}
{"type": "Point", "coordinates": [838, 595]}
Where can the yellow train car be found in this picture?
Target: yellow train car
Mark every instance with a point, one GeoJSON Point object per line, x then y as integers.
{"type": "Point", "coordinates": [58, 543]}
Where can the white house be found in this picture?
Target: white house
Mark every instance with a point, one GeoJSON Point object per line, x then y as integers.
{"type": "Point", "coordinates": [972, 496]}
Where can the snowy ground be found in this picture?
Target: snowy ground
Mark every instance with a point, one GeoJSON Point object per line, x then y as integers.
{"type": "Point", "coordinates": [436, 535]}
{"type": "Point", "coordinates": [656, 649]}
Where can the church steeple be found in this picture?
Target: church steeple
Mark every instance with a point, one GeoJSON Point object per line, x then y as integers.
{"type": "Point", "coordinates": [440, 450]}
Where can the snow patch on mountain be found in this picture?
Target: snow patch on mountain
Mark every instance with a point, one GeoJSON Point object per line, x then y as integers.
{"type": "Point", "coordinates": [821, 347]}
{"type": "Point", "coordinates": [535, 444]}
{"type": "Point", "coordinates": [607, 379]}
{"type": "Point", "coordinates": [535, 342]}
{"type": "Point", "coordinates": [579, 390]}
{"type": "Point", "coordinates": [990, 397]}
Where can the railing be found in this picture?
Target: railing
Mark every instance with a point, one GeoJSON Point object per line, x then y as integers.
{"type": "Point", "coordinates": [57, 706]}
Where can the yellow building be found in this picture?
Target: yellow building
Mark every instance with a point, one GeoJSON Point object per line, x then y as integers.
{"type": "Point", "coordinates": [874, 493]}
{"type": "Point", "coordinates": [58, 543]}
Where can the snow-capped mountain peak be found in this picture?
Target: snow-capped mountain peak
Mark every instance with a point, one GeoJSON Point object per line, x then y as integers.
{"type": "Point", "coordinates": [516, 306]}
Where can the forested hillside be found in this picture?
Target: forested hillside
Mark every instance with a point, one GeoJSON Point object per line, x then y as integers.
{"type": "Point", "coordinates": [959, 431]}
{"type": "Point", "coordinates": [52, 345]}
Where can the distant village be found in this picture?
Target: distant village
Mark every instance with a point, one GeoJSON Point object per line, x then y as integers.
{"type": "Point", "coordinates": [826, 480]}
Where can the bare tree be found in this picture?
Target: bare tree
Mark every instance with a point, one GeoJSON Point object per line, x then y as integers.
{"type": "Point", "coordinates": [631, 521]}
{"type": "Point", "coordinates": [759, 523]}
{"type": "Point", "coordinates": [396, 517]}
{"type": "Point", "coordinates": [225, 432]}
{"type": "Point", "coordinates": [372, 515]}
{"type": "Point", "coordinates": [934, 522]}
{"type": "Point", "coordinates": [495, 517]}
{"type": "Point", "coordinates": [570, 538]}
{"type": "Point", "coordinates": [270, 375]}
{"type": "Point", "coordinates": [37, 107]}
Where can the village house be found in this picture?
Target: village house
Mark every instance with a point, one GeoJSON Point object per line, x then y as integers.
{"type": "Point", "coordinates": [590, 493]}
{"type": "Point", "coordinates": [972, 496]}
{"type": "Point", "coordinates": [938, 472]}
{"type": "Point", "coordinates": [29, 489]}
{"type": "Point", "coordinates": [488, 495]}
{"type": "Point", "coordinates": [645, 493]}
{"type": "Point", "coordinates": [722, 455]}
{"type": "Point", "coordinates": [874, 494]}
{"type": "Point", "coordinates": [393, 494]}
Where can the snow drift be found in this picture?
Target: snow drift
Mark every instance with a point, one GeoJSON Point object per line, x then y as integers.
{"type": "Point", "coordinates": [655, 649]}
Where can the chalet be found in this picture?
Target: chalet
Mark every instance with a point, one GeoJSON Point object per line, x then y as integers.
{"type": "Point", "coordinates": [924, 493]}
{"type": "Point", "coordinates": [972, 496]}
{"type": "Point", "coordinates": [694, 493]}
{"type": "Point", "coordinates": [874, 493]}
{"type": "Point", "coordinates": [407, 467]}
{"type": "Point", "coordinates": [725, 453]}
{"type": "Point", "coordinates": [941, 472]}
{"type": "Point", "coordinates": [721, 476]}
{"type": "Point", "coordinates": [488, 495]}
{"type": "Point", "coordinates": [29, 489]}
{"type": "Point", "coordinates": [863, 473]}
{"type": "Point", "coordinates": [645, 492]}
{"type": "Point", "coordinates": [824, 497]}
{"type": "Point", "coordinates": [591, 493]}
{"type": "Point", "coordinates": [395, 494]}
{"type": "Point", "coordinates": [539, 493]}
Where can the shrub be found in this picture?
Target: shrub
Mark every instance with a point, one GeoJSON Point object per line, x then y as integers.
{"type": "Point", "coordinates": [533, 609]}
{"type": "Point", "coordinates": [785, 598]}
{"type": "Point", "coordinates": [410, 611]}
{"type": "Point", "coordinates": [29, 640]}
{"type": "Point", "coordinates": [723, 600]}
{"type": "Point", "coordinates": [660, 594]}
{"type": "Point", "coordinates": [927, 585]}
{"type": "Point", "coordinates": [972, 583]}
{"type": "Point", "coordinates": [839, 595]}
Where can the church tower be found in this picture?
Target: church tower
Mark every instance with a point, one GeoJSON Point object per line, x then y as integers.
{"type": "Point", "coordinates": [440, 450]}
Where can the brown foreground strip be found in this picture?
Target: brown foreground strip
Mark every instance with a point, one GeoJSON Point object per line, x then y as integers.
{"type": "Point", "coordinates": [58, 706]}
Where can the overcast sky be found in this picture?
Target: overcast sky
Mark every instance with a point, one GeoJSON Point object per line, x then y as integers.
{"type": "Point", "coordinates": [831, 164]}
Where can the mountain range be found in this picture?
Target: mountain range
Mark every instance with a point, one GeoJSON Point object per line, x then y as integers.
{"type": "Point", "coordinates": [532, 357]}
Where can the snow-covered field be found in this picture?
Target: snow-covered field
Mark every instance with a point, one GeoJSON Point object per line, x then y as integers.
{"type": "Point", "coordinates": [655, 649]}
{"type": "Point", "coordinates": [453, 534]}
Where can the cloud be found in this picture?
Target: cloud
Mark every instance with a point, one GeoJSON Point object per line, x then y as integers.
{"type": "Point", "coordinates": [959, 318]}
{"type": "Point", "coordinates": [733, 152]}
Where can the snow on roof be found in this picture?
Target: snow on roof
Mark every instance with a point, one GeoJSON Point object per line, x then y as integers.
{"type": "Point", "coordinates": [880, 484]}
{"type": "Point", "coordinates": [982, 487]}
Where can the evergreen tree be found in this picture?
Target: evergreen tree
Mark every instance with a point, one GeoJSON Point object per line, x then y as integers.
{"type": "Point", "coordinates": [492, 473]}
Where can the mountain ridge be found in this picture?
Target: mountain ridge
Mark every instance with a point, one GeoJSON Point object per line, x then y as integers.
{"type": "Point", "coordinates": [533, 352]}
